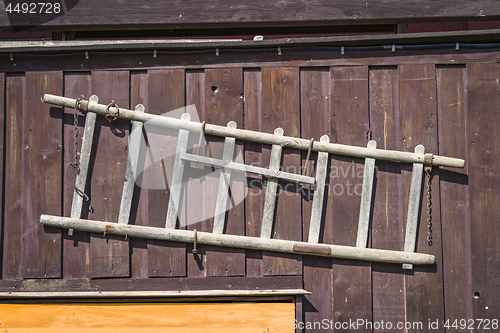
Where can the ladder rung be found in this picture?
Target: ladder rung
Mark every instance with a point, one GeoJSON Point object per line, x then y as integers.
{"type": "Point", "coordinates": [134, 144]}
{"type": "Point", "coordinates": [248, 168]}
{"type": "Point", "coordinates": [221, 206]}
{"type": "Point", "coordinates": [176, 184]}
{"type": "Point", "coordinates": [413, 206]}
{"type": "Point", "coordinates": [271, 189]}
{"type": "Point", "coordinates": [319, 194]}
{"type": "Point", "coordinates": [366, 198]}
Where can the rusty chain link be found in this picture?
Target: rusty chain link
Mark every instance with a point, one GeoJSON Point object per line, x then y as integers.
{"type": "Point", "coordinates": [111, 116]}
{"type": "Point", "coordinates": [428, 170]}
{"type": "Point", "coordinates": [74, 164]}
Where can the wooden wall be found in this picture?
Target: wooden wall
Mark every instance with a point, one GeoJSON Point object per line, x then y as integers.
{"type": "Point", "coordinates": [447, 102]}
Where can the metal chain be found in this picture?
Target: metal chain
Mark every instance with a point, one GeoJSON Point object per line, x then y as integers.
{"type": "Point", "coordinates": [111, 116]}
{"type": "Point", "coordinates": [74, 164]}
{"type": "Point", "coordinates": [428, 170]}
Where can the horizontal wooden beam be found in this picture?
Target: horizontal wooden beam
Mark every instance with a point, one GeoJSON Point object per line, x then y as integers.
{"type": "Point", "coordinates": [407, 39]}
{"type": "Point", "coordinates": [243, 242]}
{"type": "Point", "coordinates": [151, 285]}
{"type": "Point", "coordinates": [198, 14]}
{"type": "Point", "coordinates": [153, 294]}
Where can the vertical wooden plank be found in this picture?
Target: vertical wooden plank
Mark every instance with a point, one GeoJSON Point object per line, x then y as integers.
{"type": "Point", "coordinates": [453, 141]}
{"type": "Point", "coordinates": [139, 214]}
{"type": "Point", "coordinates": [2, 147]}
{"type": "Point", "coordinates": [109, 255]}
{"type": "Point", "coordinates": [350, 121]}
{"type": "Point", "coordinates": [483, 160]}
{"type": "Point", "coordinates": [14, 179]}
{"type": "Point", "coordinates": [424, 286]}
{"type": "Point", "coordinates": [195, 188]}
{"type": "Point", "coordinates": [254, 201]}
{"type": "Point", "coordinates": [387, 224]}
{"type": "Point", "coordinates": [223, 103]}
{"type": "Point", "coordinates": [165, 94]}
{"type": "Point", "coordinates": [76, 248]}
{"type": "Point", "coordinates": [315, 122]}
{"type": "Point", "coordinates": [42, 134]}
{"type": "Point", "coordinates": [281, 108]}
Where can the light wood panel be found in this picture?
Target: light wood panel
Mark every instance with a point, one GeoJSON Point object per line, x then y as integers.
{"type": "Point", "coordinates": [147, 317]}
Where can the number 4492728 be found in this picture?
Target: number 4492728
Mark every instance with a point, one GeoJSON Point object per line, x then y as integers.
{"type": "Point", "coordinates": [472, 324]}
{"type": "Point", "coordinates": [33, 8]}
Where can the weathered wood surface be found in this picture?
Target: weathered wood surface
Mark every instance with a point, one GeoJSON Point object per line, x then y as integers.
{"type": "Point", "coordinates": [316, 121]}
{"type": "Point", "coordinates": [449, 107]}
{"type": "Point", "coordinates": [34, 164]}
{"type": "Point", "coordinates": [109, 256]}
{"type": "Point", "coordinates": [452, 114]}
{"type": "Point", "coordinates": [483, 159]}
{"type": "Point", "coordinates": [350, 125]}
{"type": "Point", "coordinates": [237, 59]}
{"type": "Point", "coordinates": [76, 248]}
{"type": "Point", "coordinates": [139, 215]}
{"type": "Point", "coordinates": [281, 108]}
{"type": "Point", "coordinates": [418, 114]}
{"type": "Point", "coordinates": [216, 14]}
{"type": "Point", "coordinates": [164, 258]}
{"type": "Point", "coordinates": [223, 90]}
{"type": "Point", "coordinates": [2, 146]}
{"type": "Point", "coordinates": [387, 229]}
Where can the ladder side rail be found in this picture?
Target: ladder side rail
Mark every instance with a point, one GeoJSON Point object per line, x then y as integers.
{"type": "Point", "coordinates": [268, 138]}
{"type": "Point", "coordinates": [177, 176]}
{"type": "Point", "coordinates": [83, 166]}
{"type": "Point", "coordinates": [413, 206]}
{"type": "Point", "coordinates": [366, 199]}
{"type": "Point", "coordinates": [243, 242]}
{"type": "Point", "coordinates": [134, 144]}
{"type": "Point", "coordinates": [271, 189]}
{"type": "Point", "coordinates": [319, 194]}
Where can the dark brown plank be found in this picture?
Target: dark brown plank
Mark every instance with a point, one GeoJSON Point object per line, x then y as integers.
{"type": "Point", "coordinates": [42, 134]}
{"type": "Point", "coordinates": [109, 255]}
{"type": "Point", "coordinates": [418, 114]}
{"type": "Point", "coordinates": [387, 223]}
{"type": "Point", "coordinates": [281, 108]}
{"type": "Point", "coordinates": [14, 179]}
{"type": "Point", "coordinates": [139, 212]}
{"type": "Point", "coordinates": [254, 201]}
{"type": "Point", "coordinates": [483, 159]}
{"type": "Point", "coordinates": [307, 57]}
{"type": "Point", "coordinates": [157, 284]}
{"type": "Point", "coordinates": [165, 94]}
{"type": "Point", "coordinates": [2, 149]}
{"type": "Point", "coordinates": [216, 14]}
{"type": "Point", "coordinates": [76, 248]}
{"type": "Point", "coordinates": [223, 103]}
{"type": "Point", "coordinates": [195, 188]}
{"type": "Point", "coordinates": [455, 218]}
{"type": "Point", "coordinates": [315, 121]}
{"type": "Point", "coordinates": [350, 122]}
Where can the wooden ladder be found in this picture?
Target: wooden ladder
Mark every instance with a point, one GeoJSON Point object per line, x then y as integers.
{"type": "Point", "coordinates": [408, 257]}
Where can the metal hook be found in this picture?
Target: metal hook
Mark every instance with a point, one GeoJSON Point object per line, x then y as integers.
{"type": "Point", "coordinates": [195, 251]}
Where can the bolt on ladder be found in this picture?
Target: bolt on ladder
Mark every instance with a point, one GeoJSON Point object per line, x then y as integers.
{"type": "Point", "coordinates": [408, 257]}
